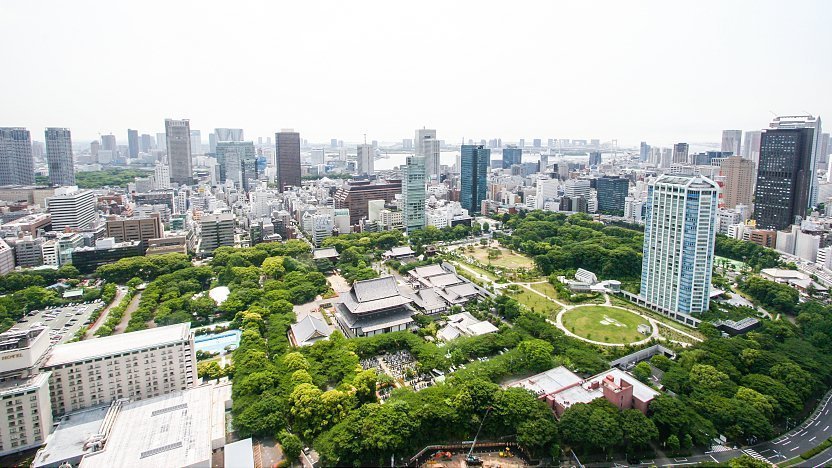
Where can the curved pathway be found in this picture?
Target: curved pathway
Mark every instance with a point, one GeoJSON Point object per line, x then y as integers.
{"type": "Point", "coordinates": [121, 291]}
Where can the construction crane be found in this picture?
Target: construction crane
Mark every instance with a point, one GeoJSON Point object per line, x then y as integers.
{"type": "Point", "coordinates": [471, 460]}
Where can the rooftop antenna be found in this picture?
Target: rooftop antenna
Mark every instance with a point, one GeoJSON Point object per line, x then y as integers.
{"type": "Point", "coordinates": [365, 138]}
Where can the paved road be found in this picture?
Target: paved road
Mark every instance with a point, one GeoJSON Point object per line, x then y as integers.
{"type": "Point", "coordinates": [128, 313]}
{"type": "Point", "coordinates": [121, 291]}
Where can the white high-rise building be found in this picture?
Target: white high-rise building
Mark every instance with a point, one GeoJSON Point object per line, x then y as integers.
{"type": "Point", "coordinates": [731, 141]}
{"type": "Point", "coordinates": [317, 156]}
{"type": "Point", "coordinates": [680, 228]}
{"type": "Point", "coordinates": [576, 188]}
{"type": "Point", "coordinates": [413, 193]}
{"type": "Point", "coordinates": [428, 147]}
{"type": "Point", "coordinates": [72, 208]}
{"type": "Point", "coordinates": [365, 159]}
{"type": "Point", "coordinates": [161, 176]}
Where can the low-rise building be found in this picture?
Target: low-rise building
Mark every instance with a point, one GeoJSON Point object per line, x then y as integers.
{"type": "Point", "coordinates": [308, 331]}
{"type": "Point", "coordinates": [107, 250]}
{"type": "Point", "coordinates": [464, 324]}
{"type": "Point", "coordinates": [373, 307]}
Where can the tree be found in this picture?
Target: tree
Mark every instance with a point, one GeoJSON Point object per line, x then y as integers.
{"type": "Point", "coordinates": [638, 430]}
{"type": "Point", "coordinates": [306, 410]}
{"type": "Point", "coordinates": [642, 371]}
{"type": "Point", "coordinates": [290, 444]}
{"type": "Point", "coordinates": [273, 267]}
{"type": "Point", "coordinates": [365, 386]}
{"type": "Point", "coordinates": [295, 361]}
{"type": "Point", "coordinates": [537, 434]}
{"type": "Point", "coordinates": [673, 443]}
{"type": "Point", "coordinates": [746, 461]}
{"type": "Point", "coordinates": [536, 354]}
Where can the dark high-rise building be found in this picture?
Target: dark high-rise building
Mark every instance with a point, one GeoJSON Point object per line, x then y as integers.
{"type": "Point", "coordinates": [133, 143]}
{"type": "Point", "coordinates": [595, 158]}
{"type": "Point", "coordinates": [680, 153]}
{"type": "Point", "coordinates": [178, 136]}
{"type": "Point", "coordinates": [16, 164]}
{"type": "Point", "coordinates": [59, 156]}
{"type": "Point", "coordinates": [785, 173]}
{"type": "Point", "coordinates": [512, 155]}
{"type": "Point", "coordinates": [474, 161]}
{"type": "Point", "coordinates": [287, 155]}
{"type": "Point", "coordinates": [611, 194]}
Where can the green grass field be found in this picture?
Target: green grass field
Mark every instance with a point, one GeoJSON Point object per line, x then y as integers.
{"type": "Point", "coordinates": [546, 288]}
{"type": "Point", "coordinates": [507, 258]}
{"type": "Point", "coordinates": [537, 303]}
{"type": "Point", "coordinates": [475, 268]}
{"type": "Point", "coordinates": [604, 324]}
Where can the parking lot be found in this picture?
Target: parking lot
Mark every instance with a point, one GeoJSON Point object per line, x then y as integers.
{"type": "Point", "coordinates": [63, 322]}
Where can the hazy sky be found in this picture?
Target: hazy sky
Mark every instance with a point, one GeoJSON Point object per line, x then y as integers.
{"type": "Point", "coordinates": [630, 70]}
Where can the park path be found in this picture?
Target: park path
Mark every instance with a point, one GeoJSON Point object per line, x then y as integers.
{"type": "Point", "coordinates": [128, 312]}
{"type": "Point", "coordinates": [121, 291]}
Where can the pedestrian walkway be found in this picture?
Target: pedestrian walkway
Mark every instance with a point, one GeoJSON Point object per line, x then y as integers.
{"type": "Point", "coordinates": [753, 454]}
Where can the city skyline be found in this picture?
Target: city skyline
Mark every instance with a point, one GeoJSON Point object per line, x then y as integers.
{"type": "Point", "coordinates": [605, 80]}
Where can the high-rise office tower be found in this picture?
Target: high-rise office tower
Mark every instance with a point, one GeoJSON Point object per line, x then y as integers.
{"type": "Point", "coordinates": [59, 156]}
{"type": "Point", "coordinates": [287, 155]}
{"type": "Point", "coordinates": [522, 143]}
{"type": "Point", "coordinates": [751, 146]}
{"type": "Point", "coordinates": [146, 143]}
{"type": "Point", "coordinates": [731, 141]}
{"type": "Point", "coordinates": [823, 154]}
{"type": "Point", "coordinates": [612, 192]}
{"type": "Point", "coordinates": [236, 161]}
{"type": "Point", "coordinates": [365, 159]}
{"type": "Point", "coordinates": [428, 147]}
{"type": "Point", "coordinates": [196, 142]}
{"type": "Point", "coordinates": [739, 181]}
{"type": "Point", "coordinates": [16, 164]}
{"type": "Point", "coordinates": [680, 153]}
{"type": "Point", "coordinates": [133, 143]}
{"type": "Point", "coordinates": [595, 158]}
{"type": "Point", "coordinates": [512, 155]}
{"type": "Point", "coordinates": [474, 161]}
{"type": "Point", "coordinates": [786, 172]}
{"type": "Point", "coordinates": [178, 137]}
{"type": "Point", "coordinates": [536, 143]}
{"type": "Point", "coordinates": [413, 193]}
{"type": "Point", "coordinates": [108, 143]}
{"type": "Point", "coordinates": [95, 147]}
{"type": "Point", "coordinates": [679, 232]}
{"type": "Point", "coordinates": [212, 143]}
{"type": "Point", "coordinates": [317, 156]}
{"type": "Point", "coordinates": [644, 151]}
{"type": "Point", "coordinates": [407, 144]}
{"type": "Point", "coordinates": [161, 176]}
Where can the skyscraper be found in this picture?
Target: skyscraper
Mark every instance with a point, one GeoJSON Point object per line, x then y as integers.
{"type": "Point", "coordinates": [512, 155]}
{"type": "Point", "coordinates": [178, 137]}
{"type": "Point", "coordinates": [739, 181]}
{"type": "Point", "coordinates": [365, 159]}
{"type": "Point", "coordinates": [236, 161]}
{"type": "Point", "coordinates": [595, 158]}
{"type": "Point", "coordinates": [679, 232]}
{"type": "Point", "coordinates": [751, 146]}
{"type": "Point", "coordinates": [108, 143]}
{"type": "Point", "coordinates": [612, 191]}
{"type": "Point", "coordinates": [196, 142]}
{"type": "Point", "coordinates": [427, 146]}
{"type": "Point", "coordinates": [474, 160]}
{"type": "Point", "coordinates": [644, 151]}
{"type": "Point", "coordinates": [16, 164]}
{"type": "Point", "coordinates": [786, 171]}
{"type": "Point", "coordinates": [731, 141]}
{"type": "Point", "coordinates": [287, 155]}
{"type": "Point", "coordinates": [413, 193]}
{"type": "Point", "coordinates": [146, 143]}
{"type": "Point", "coordinates": [680, 153]}
{"type": "Point", "coordinates": [229, 134]}
{"type": "Point", "coordinates": [133, 143]}
{"type": "Point", "coordinates": [59, 156]}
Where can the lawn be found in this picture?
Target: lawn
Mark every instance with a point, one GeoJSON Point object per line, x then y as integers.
{"type": "Point", "coordinates": [537, 303]}
{"type": "Point", "coordinates": [475, 268]}
{"type": "Point", "coordinates": [506, 259]}
{"type": "Point", "coordinates": [546, 288]}
{"type": "Point", "coordinates": [605, 324]}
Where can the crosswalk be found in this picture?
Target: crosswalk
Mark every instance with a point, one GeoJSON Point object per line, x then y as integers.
{"type": "Point", "coordinates": [719, 448]}
{"type": "Point", "coordinates": [753, 454]}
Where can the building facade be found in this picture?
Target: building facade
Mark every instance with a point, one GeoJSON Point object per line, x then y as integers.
{"type": "Point", "coordinates": [216, 230]}
{"type": "Point", "coordinates": [132, 143]}
{"type": "Point", "coordinates": [365, 159]}
{"type": "Point", "coordinates": [413, 193]}
{"type": "Point", "coordinates": [474, 161]}
{"type": "Point", "coordinates": [428, 147]}
{"type": "Point", "coordinates": [679, 234]}
{"type": "Point", "coordinates": [236, 161]}
{"type": "Point", "coordinates": [786, 179]}
{"type": "Point", "coordinates": [287, 156]}
{"type": "Point", "coordinates": [356, 195]}
{"type": "Point", "coordinates": [72, 208]}
{"type": "Point", "coordinates": [732, 141]}
{"type": "Point", "coordinates": [512, 155]}
{"type": "Point", "coordinates": [136, 365]}
{"type": "Point", "coordinates": [16, 164]}
{"type": "Point", "coordinates": [680, 153]}
{"type": "Point", "coordinates": [739, 181]}
{"type": "Point", "coordinates": [612, 193]}
{"type": "Point", "coordinates": [178, 137]}
{"type": "Point", "coordinates": [59, 156]}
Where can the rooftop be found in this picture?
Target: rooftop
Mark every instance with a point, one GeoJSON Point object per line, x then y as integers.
{"type": "Point", "coordinates": [309, 329]}
{"type": "Point", "coordinates": [551, 381]}
{"type": "Point", "coordinates": [68, 441]}
{"type": "Point", "coordinates": [428, 271]}
{"type": "Point", "coordinates": [320, 254]}
{"type": "Point", "coordinates": [109, 345]}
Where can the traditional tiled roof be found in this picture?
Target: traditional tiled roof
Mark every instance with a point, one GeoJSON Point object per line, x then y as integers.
{"type": "Point", "coordinates": [374, 295]}
{"type": "Point", "coordinates": [309, 328]}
